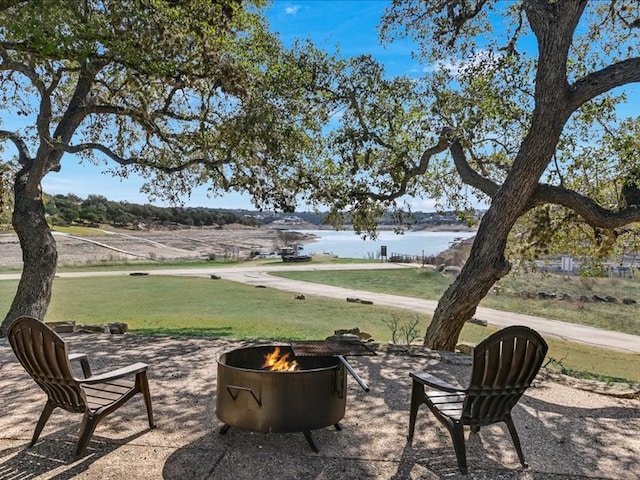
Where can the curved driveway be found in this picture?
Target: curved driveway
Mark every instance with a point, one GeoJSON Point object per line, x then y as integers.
{"type": "Point", "coordinates": [259, 275]}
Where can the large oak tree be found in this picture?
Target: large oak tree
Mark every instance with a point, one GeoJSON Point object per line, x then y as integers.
{"type": "Point", "coordinates": [520, 107]}
{"type": "Point", "coordinates": [183, 93]}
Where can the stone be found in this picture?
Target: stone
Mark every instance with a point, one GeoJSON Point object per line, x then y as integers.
{"type": "Point", "coordinates": [451, 270]}
{"type": "Point", "coordinates": [117, 328]}
{"type": "Point", "coordinates": [465, 348]}
{"type": "Point", "coordinates": [546, 296]}
{"type": "Point", "coordinates": [477, 321]}
{"type": "Point", "coordinates": [62, 327]}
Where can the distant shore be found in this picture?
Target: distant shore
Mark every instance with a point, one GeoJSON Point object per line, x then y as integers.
{"type": "Point", "coordinates": [233, 241]}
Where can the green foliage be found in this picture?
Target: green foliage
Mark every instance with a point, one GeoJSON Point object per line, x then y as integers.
{"type": "Point", "coordinates": [183, 93]}
{"type": "Point", "coordinates": [6, 193]}
{"type": "Point", "coordinates": [68, 209]}
{"type": "Point", "coordinates": [479, 86]}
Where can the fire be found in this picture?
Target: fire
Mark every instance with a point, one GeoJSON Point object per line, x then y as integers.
{"type": "Point", "coordinates": [279, 363]}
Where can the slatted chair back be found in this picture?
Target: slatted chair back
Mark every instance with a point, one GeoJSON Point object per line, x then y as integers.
{"type": "Point", "coordinates": [44, 355]}
{"type": "Point", "coordinates": [504, 365]}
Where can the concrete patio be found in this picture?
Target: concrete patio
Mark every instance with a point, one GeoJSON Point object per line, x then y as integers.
{"type": "Point", "coordinates": [566, 433]}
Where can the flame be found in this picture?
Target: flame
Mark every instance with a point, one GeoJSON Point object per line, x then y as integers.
{"type": "Point", "coordinates": [279, 363]}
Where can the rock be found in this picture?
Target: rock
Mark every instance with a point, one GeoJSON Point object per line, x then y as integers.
{"type": "Point", "coordinates": [629, 301]}
{"type": "Point", "coordinates": [477, 321]}
{"type": "Point", "coordinates": [138, 274]}
{"type": "Point", "coordinates": [598, 298]}
{"type": "Point", "coordinates": [451, 270]}
{"type": "Point", "coordinates": [300, 296]}
{"type": "Point", "coordinates": [547, 296]}
{"type": "Point", "coordinates": [366, 302]}
{"type": "Point", "coordinates": [62, 327]}
{"type": "Point", "coordinates": [350, 331]}
{"type": "Point", "coordinates": [611, 299]}
{"type": "Point", "coordinates": [215, 277]}
{"type": "Point", "coordinates": [117, 328]}
{"type": "Point", "coordinates": [465, 347]}
{"type": "Point", "coordinates": [353, 300]}
{"type": "Point", "coordinates": [261, 286]}
{"type": "Point", "coordinates": [92, 329]}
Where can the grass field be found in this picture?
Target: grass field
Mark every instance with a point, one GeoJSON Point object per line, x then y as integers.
{"type": "Point", "coordinates": [577, 360]}
{"type": "Point", "coordinates": [515, 293]}
{"type": "Point", "coordinates": [205, 307]}
{"type": "Point", "coordinates": [217, 308]}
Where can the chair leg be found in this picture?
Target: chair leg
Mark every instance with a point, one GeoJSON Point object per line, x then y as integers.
{"type": "Point", "coordinates": [417, 395]}
{"type": "Point", "coordinates": [457, 436]}
{"type": "Point", "coordinates": [516, 440]}
{"type": "Point", "coordinates": [44, 416]}
{"type": "Point", "coordinates": [143, 384]}
{"type": "Point", "coordinates": [89, 423]}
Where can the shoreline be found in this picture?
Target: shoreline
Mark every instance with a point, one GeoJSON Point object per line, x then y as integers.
{"type": "Point", "coordinates": [116, 245]}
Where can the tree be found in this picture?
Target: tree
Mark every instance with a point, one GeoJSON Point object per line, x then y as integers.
{"type": "Point", "coordinates": [519, 107]}
{"type": "Point", "coordinates": [182, 93]}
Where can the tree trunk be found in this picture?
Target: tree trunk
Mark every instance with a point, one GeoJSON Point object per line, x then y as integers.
{"type": "Point", "coordinates": [485, 266]}
{"type": "Point", "coordinates": [39, 254]}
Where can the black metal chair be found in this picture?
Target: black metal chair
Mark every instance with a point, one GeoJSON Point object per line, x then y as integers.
{"type": "Point", "coordinates": [44, 356]}
{"type": "Point", "coordinates": [504, 365]}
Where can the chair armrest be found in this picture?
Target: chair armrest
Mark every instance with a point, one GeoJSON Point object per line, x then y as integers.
{"type": "Point", "coordinates": [119, 373]}
{"type": "Point", "coordinates": [435, 382]}
{"type": "Point", "coordinates": [84, 363]}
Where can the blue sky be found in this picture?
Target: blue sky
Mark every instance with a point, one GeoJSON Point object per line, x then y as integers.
{"type": "Point", "coordinates": [349, 24]}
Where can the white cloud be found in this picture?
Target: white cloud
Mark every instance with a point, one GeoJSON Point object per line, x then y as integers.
{"type": "Point", "coordinates": [483, 60]}
{"type": "Point", "coordinates": [291, 10]}
{"type": "Point", "coordinates": [422, 205]}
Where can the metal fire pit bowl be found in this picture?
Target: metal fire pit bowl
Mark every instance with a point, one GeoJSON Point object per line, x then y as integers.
{"type": "Point", "coordinates": [251, 398]}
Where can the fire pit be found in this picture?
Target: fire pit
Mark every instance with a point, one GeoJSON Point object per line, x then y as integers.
{"type": "Point", "coordinates": [306, 396]}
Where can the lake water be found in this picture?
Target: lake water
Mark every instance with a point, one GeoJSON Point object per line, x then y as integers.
{"type": "Point", "coordinates": [346, 244]}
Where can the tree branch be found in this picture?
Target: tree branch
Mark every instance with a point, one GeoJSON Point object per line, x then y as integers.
{"type": "Point", "coordinates": [420, 169]}
{"type": "Point", "coordinates": [468, 174]}
{"type": "Point", "coordinates": [21, 146]}
{"type": "Point", "coordinates": [596, 83]}
{"type": "Point", "coordinates": [11, 65]}
{"type": "Point", "coordinates": [586, 207]}
{"type": "Point", "coordinates": [137, 160]}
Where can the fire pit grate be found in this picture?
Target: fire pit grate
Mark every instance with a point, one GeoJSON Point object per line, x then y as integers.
{"type": "Point", "coordinates": [331, 348]}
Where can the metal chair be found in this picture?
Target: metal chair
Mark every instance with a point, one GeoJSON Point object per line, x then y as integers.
{"type": "Point", "coordinates": [504, 365]}
{"type": "Point", "coordinates": [44, 356]}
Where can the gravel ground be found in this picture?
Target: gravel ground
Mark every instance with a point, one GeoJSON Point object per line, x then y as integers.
{"type": "Point", "coordinates": [566, 433]}
{"type": "Point", "coordinates": [119, 245]}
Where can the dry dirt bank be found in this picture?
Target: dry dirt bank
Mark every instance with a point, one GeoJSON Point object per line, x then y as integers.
{"type": "Point", "coordinates": [119, 245]}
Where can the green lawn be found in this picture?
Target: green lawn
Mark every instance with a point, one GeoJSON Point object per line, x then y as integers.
{"type": "Point", "coordinates": [201, 306]}
{"type": "Point", "coordinates": [218, 308]}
